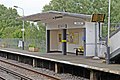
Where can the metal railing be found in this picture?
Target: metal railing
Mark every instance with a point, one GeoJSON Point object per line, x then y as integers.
{"type": "Point", "coordinates": [113, 28]}
{"type": "Point", "coordinates": [14, 42]}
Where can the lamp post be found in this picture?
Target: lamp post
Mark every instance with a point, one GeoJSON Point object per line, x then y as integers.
{"type": "Point", "coordinates": [23, 29]}
{"type": "Point", "coordinates": [108, 39]}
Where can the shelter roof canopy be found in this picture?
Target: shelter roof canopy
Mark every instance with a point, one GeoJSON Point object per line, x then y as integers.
{"type": "Point", "coordinates": [53, 15]}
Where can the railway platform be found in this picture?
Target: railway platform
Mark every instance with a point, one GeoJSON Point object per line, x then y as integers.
{"type": "Point", "coordinates": [69, 59]}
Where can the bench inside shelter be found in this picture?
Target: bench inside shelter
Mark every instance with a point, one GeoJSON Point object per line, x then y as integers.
{"type": "Point", "coordinates": [79, 50]}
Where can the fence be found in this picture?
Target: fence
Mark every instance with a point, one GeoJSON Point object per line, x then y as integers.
{"type": "Point", "coordinates": [113, 27]}
{"type": "Point", "coordinates": [14, 42]}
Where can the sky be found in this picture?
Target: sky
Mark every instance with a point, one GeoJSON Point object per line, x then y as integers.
{"type": "Point", "coordinates": [29, 6]}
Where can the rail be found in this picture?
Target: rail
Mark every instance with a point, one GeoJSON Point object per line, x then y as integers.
{"type": "Point", "coordinates": [15, 74]}
{"type": "Point", "coordinates": [48, 76]}
{"type": "Point", "coordinates": [1, 78]}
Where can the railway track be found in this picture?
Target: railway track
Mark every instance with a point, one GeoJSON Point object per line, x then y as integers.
{"type": "Point", "coordinates": [22, 76]}
{"type": "Point", "coordinates": [1, 78]}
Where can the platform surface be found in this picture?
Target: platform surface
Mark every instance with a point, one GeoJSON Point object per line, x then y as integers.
{"type": "Point", "coordinates": [71, 59]}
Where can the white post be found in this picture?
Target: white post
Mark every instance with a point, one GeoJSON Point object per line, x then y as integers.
{"type": "Point", "coordinates": [108, 39]}
{"type": "Point", "coordinates": [109, 23]}
{"type": "Point", "coordinates": [93, 75]}
{"type": "Point", "coordinates": [33, 63]}
{"type": "Point", "coordinates": [56, 68]}
{"type": "Point", "coordinates": [23, 29]}
{"type": "Point", "coordinates": [96, 49]}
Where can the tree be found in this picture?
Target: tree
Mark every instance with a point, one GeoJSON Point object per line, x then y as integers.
{"type": "Point", "coordinates": [8, 22]}
{"type": "Point", "coordinates": [10, 26]}
{"type": "Point", "coordinates": [35, 31]}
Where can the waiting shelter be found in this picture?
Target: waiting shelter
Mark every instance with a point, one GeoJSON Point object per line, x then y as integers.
{"type": "Point", "coordinates": [66, 31]}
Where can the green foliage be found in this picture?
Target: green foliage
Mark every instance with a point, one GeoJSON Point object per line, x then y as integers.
{"type": "Point", "coordinates": [104, 31]}
{"type": "Point", "coordinates": [32, 45]}
{"type": "Point", "coordinates": [8, 22]}
{"type": "Point", "coordinates": [35, 32]}
{"type": "Point", "coordinates": [10, 26]}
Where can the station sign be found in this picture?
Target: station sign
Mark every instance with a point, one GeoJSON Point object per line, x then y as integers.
{"type": "Point", "coordinates": [62, 26]}
{"type": "Point", "coordinates": [98, 17]}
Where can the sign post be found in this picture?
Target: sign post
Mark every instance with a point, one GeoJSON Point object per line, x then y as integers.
{"type": "Point", "coordinates": [97, 18]}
